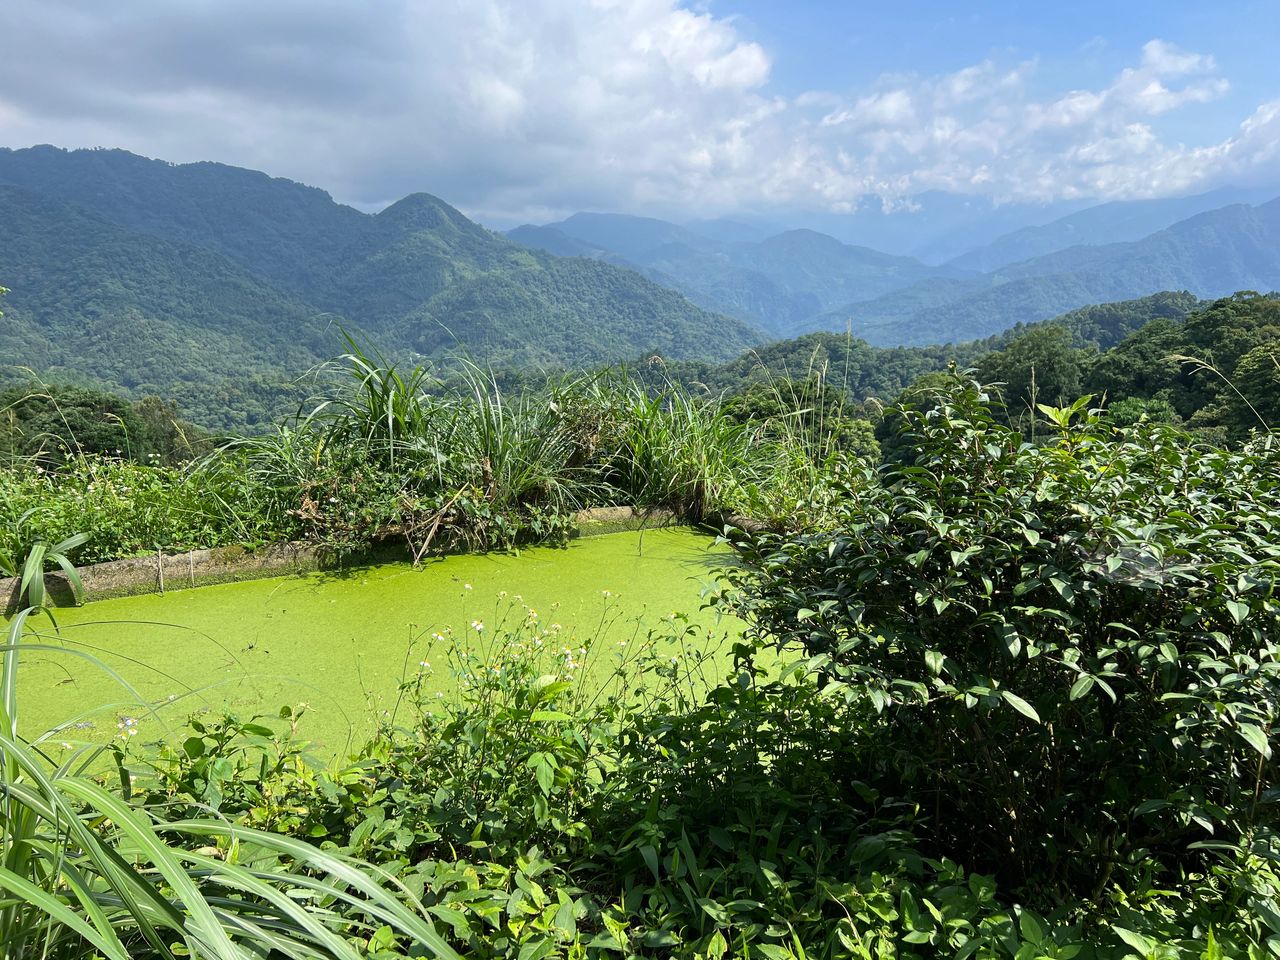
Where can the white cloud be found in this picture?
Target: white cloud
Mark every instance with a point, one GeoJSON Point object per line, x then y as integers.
{"type": "Point", "coordinates": [525, 109]}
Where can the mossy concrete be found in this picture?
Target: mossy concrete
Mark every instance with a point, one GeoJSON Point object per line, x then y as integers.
{"type": "Point", "coordinates": [164, 572]}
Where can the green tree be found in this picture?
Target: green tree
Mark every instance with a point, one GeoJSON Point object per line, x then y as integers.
{"type": "Point", "coordinates": [1041, 366]}
{"type": "Point", "coordinates": [1256, 405]}
{"type": "Point", "coordinates": [55, 422]}
{"type": "Point", "coordinates": [812, 410]}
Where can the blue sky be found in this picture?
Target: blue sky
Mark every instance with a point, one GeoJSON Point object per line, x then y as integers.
{"type": "Point", "coordinates": [527, 110]}
{"type": "Point", "coordinates": [823, 43]}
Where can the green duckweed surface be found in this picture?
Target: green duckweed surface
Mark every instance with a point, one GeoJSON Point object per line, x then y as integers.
{"type": "Point", "coordinates": [342, 642]}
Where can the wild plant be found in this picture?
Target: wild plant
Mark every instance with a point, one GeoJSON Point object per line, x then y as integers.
{"type": "Point", "coordinates": [1069, 646]}
{"type": "Point", "coordinates": [675, 450]}
{"type": "Point", "coordinates": [83, 871]}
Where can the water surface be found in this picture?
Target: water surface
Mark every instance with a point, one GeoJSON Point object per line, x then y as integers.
{"type": "Point", "coordinates": [342, 642]}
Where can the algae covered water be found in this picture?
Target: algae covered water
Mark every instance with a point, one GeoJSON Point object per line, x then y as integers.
{"type": "Point", "coordinates": [341, 642]}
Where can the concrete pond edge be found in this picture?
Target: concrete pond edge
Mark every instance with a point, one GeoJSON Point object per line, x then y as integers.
{"type": "Point", "coordinates": [161, 572]}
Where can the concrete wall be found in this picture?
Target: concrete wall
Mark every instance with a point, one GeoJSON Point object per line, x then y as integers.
{"type": "Point", "coordinates": [160, 572]}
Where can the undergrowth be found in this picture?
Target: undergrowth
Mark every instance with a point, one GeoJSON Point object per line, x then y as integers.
{"type": "Point", "coordinates": [384, 455]}
{"type": "Point", "coordinates": [1008, 700]}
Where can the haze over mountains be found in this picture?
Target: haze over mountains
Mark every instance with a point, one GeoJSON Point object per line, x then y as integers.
{"type": "Point", "coordinates": [177, 279]}
{"type": "Point", "coordinates": [799, 281]}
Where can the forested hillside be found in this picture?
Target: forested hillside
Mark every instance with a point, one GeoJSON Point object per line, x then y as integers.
{"type": "Point", "coordinates": [1212, 254]}
{"type": "Point", "coordinates": [801, 281]}
{"type": "Point", "coordinates": [188, 281]}
{"type": "Point", "coordinates": [92, 302]}
{"type": "Point", "coordinates": [865, 372]}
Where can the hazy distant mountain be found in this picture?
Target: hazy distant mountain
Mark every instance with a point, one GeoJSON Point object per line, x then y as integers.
{"type": "Point", "coordinates": [1115, 222]}
{"type": "Point", "coordinates": [727, 230]}
{"type": "Point", "coordinates": [936, 226]}
{"type": "Point", "coordinates": [1211, 254]}
{"type": "Point", "coordinates": [802, 280]}
{"type": "Point", "coordinates": [554, 241]}
{"type": "Point", "coordinates": [156, 277]}
{"type": "Point", "coordinates": [778, 283]}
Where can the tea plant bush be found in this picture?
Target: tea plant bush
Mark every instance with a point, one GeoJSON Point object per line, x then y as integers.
{"type": "Point", "coordinates": [1066, 650]}
{"type": "Point", "coordinates": [659, 815]}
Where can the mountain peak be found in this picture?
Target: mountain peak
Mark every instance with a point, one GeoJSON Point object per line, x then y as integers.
{"type": "Point", "coordinates": [422, 211]}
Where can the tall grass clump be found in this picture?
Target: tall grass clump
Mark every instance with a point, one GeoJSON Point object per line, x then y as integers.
{"type": "Point", "coordinates": [675, 450]}
{"type": "Point", "coordinates": [391, 454]}
{"type": "Point", "coordinates": [386, 454]}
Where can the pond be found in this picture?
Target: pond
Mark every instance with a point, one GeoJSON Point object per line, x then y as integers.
{"type": "Point", "coordinates": [343, 642]}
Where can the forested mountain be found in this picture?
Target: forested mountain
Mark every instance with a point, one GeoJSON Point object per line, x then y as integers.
{"type": "Point", "coordinates": [1211, 255]}
{"type": "Point", "coordinates": [799, 280]}
{"type": "Point", "coordinates": [219, 286]}
{"type": "Point", "coordinates": [1115, 222]}
{"type": "Point", "coordinates": [93, 302]}
{"type": "Point", "coordinates": [175, 280]}
{"type": "Point", "coordinates": [292, 234]}
{"type": "Point", "coordinates": [778, 283]}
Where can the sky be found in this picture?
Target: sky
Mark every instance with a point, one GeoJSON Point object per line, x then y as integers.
{"type": "Point", "coordinates": [527, 110]}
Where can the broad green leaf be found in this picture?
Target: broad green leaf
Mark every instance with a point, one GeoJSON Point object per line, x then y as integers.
{"type": "Point", "coordinates": [1135, 940]}
{"type": "Point", "coordinates": [1255, 737]}
{"type": "Point", "coordinates": [1020, 705]}
{"type": "Point", "coordinates": [1081, 687]}
{"type": "Point", "coordinates": [1032, 929]}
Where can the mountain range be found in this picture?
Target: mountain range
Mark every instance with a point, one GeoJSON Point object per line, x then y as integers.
{"type": "Point", "coordinates": [800, 281]}
{"type": "Point", "coordinates": [174, 279]}
{"type": "Point", "coordinates": [217, 285]}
